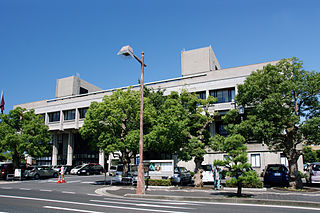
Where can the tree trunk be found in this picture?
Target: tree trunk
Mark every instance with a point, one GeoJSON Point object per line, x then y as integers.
{"type": "Point", "coordinates": [126, 161]}
{"type": "Point", "coordinates": [15, 159]}
{"type": "Point", "coordinates": [295, 181]}
{"type": "Point", "coordinates": [198, 161]}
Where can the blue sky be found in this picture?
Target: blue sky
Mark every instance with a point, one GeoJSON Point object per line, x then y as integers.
{"type": "Point", "coordinates": [41, 41]}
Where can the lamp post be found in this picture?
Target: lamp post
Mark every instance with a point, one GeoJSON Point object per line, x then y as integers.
{"type": "Point", "coordinates": [127, 51]}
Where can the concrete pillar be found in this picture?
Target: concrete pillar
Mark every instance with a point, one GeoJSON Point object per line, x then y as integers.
{"type": "Point", "coordinates": [70, 149]}
{"type": "Point", "coordinates": [101, 157]}
{"type": "Point", "coordinates": [54, 150]}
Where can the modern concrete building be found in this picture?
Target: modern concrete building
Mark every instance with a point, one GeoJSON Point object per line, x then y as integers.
{"type": "Point", "coordinates": [201, 73]}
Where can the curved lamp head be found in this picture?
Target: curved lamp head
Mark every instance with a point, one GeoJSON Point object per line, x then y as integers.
{"type": "Point", "coordinates": [126, 51]}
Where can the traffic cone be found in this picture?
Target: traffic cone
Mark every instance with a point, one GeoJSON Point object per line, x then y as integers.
{"type": "Point", "coordinates": [62, 179]}
{"type": "Point", "coordinates": [59, 180]}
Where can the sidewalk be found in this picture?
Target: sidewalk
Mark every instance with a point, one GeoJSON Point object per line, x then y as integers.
{"type": "Point", "coordinates": [271, 196]}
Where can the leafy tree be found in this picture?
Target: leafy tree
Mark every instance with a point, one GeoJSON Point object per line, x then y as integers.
{"type": "Point", "coordinates": [197, 119]}
{"type": "Point", "coordinates": [282, 103]}
{"type": "Point", "coordinates": [114, 124]}
{"type": "Point", "coordinates": [168, 131]}
{"type": "Point", "coordinates": [237, 162]}
{"type": "Point", "coordinates": [309, 155]}
{"type": "Point", "coordinates": [22, 132]}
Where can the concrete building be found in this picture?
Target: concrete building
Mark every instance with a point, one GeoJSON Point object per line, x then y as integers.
{"type": "Point", "coordinates": [201, 73]}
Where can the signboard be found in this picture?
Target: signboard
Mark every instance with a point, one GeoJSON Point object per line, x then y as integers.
{"type": "Point", "coordinates": [17, 173]}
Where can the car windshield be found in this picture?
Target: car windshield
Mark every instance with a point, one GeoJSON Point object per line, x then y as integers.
{"type": "Point", "coordinates": [206, 167]}
{"type": "Point", "coordinates": [276, 168]}
{"type": "Point", "coordinates": [78, 167]}
{"type": "Point", "coordinates": [316, 167]}
{"type": "Point", "coordinates": [113, 168]}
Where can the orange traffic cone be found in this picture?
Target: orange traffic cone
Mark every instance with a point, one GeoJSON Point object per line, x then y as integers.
{"type": "Point", "coordinates": [59, 180]}
{"type": "Point", "coordinates": [62, 179]}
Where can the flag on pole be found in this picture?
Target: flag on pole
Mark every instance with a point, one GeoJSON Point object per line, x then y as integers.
{"type": "Point", "coordinates": [2, 102]}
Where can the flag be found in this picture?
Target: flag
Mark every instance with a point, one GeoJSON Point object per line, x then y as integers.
{"type": "Point", "coordinates": [2, 102]}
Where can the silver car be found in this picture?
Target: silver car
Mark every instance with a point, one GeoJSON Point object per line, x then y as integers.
{"type": "Point", "coordinates": [37, 172]}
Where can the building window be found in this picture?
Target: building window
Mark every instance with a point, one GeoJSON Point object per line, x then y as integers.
{"type": "Point", "coordinates": [54, 116]}
{"type": "Point", "coordinates": [201, 95]}
{"type": "Point", "coordinates": [255, 160]}
{"type": "Point", "coordinates": [69, 114]}
{"type": "Point", "coordinates": [83, 90]}
{"type": "Point", "coordinates": [220, 129]}
{"type": "Point", "coordinates": [82, 112]}
{"type": "Point", "coordinates": [283, 159]}
{"type": "Point", "coordinates": [223, 95]}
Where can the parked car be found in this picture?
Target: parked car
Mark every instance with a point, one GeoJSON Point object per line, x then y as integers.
{"type": "Point", "coordinates": [313, 173]}
{"type": "Point", "coordinates": [276, 174]}
{"type": "Point", "coordinates": [75, 170]}
{"type": "Point", "coordinates": [181, 176]}
{"type": "Point", "coordinates": [207, 174]}
{"type": "Point", "coordinates": [38, 172]}
{"type": "Point", "coordinates": [116, 170]}
{"type": "Point", "coordinates": [7, 168]}
{"type": "Point", "coordinates": [67, 168]}
{"type": "Point", "coordinates": [90, 169]}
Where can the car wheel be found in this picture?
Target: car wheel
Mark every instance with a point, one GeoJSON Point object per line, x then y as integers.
{"type": "Point", "coordinates": [55, 175]}
{"type": "Point", "coordinates": [37, 176]}
{"type": "Point", "coordinates": [88, 173]}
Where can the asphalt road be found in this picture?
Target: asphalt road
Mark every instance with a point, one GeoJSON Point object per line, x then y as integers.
{"type": "Point", "coordinates": [78, 195]}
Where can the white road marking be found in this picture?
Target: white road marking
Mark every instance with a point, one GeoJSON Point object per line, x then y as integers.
{"type": "Point", "coordinates": [88, 204]}
{"type": "Point", "coordinates": [88, 182]}
{"type": "Point", "coordinates": [95, 195]}
{"type": "Point", "coordinates": [68, 209]}
{"type": "Point", "coordinates": [135, 204]}
{"type": "Point", "coordinates": [154, 201]}
{"type": "Point", "coordinates": [45, 190]}
{"type": "Point", "coordinates": [24, 189]}
{"type": "Point", "coordinates": [6, 187]}
{"type": "Point", "coordinates": [74, 181]}
{"type": "Point", "coordinates": [68, 192]}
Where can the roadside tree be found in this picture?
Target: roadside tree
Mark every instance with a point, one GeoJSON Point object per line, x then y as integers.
{"type": "Point", "coordinates": [237, 161]}
{"type": "Point", "coordinates": [282, 110]}
{"type": "Point", "coordinates": [114, 124]}
{"type": "Point", "coordinates": [197, 122]}
{"type": "Point", "coordinates": [23, 132]}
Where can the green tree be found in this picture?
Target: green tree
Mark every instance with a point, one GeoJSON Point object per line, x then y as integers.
{"type": "Point", "coordinates": [282, 103]}
{"type": "Point", "coordinates": [114, 124]}
{"type": "Point", "coordinates": [197, 119]}
{"type": "Point", "coordinates": [309, 155]}
{"type": "Point", "coordinates": [22, 132]}
{"type": "Point", "coordinates": [237, 160]}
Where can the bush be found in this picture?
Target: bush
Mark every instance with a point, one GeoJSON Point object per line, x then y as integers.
{"type": "Point", "coordinates": [249, 180]}
{"type": "Point", "coordinates": [158, 182]}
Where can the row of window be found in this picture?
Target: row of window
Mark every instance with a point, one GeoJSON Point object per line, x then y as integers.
{"type": "Point", "coordinates": [67, 115]}
{"type": "Point", "coordinates": [255, 160]}
{"type": "Point", "coordinates": [222, 95]}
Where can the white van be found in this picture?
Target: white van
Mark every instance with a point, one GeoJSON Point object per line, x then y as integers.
{"type": "Point", "coordinates": [207, 174]}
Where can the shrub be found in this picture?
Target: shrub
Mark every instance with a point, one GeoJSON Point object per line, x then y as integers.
{"type": "Point", "coordinates": [158, 182]}
{"type": "Point", "coordinates": [249, 180]}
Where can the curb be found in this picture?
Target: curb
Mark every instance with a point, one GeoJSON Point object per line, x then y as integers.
{"type": "Point", "coordinates": [230, 200]}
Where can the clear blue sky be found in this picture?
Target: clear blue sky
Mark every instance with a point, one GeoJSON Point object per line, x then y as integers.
{"type": "Point", "coordinates": [41, 41]}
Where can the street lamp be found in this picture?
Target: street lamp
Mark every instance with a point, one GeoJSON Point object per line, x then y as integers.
{"type": "Point", "coordinates": [127, 51]}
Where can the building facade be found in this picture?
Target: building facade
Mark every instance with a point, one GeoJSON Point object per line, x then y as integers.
{"type": "Point", "coordinates": [201, 73]}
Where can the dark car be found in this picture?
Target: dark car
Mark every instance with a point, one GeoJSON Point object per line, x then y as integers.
{"type": "Point", "coordinates": [276, 174]}
{"type": "Point", "coordinates": [7, 168]}
{"type": "Point", "coordinates": [90, 169]}
{"type": "Point", "coordinates": [181, 176]}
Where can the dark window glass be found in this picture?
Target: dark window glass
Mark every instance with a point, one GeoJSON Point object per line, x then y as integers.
{"type": "Point", "coordinates": [201, 95]}
{"type": "Point", "coordinates": [82, 112]}
{"type": "Point", "coordinates": [83, 90]}
{"type": "Point", "coordinates": [220, 129]}
{"type": "Point", "coordinates": [69, 114]}
{"type": "Point", "coordinates": [54, 116]}
{"type": "Point", "coordinates": [223, 95]}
